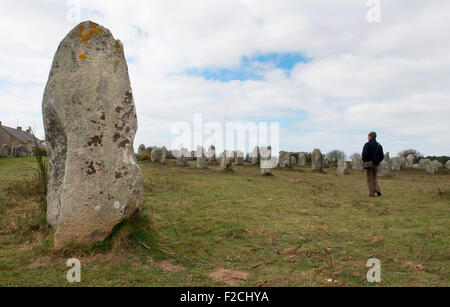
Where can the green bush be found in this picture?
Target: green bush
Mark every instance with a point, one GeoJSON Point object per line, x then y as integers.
{"type": "Point", "coordinates": [442, 159]}
{"type": "Point", "coordinates": [40, 151]}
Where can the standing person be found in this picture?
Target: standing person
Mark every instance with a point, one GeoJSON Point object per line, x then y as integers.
{"type": "Point", "coordinates": [372, 156]}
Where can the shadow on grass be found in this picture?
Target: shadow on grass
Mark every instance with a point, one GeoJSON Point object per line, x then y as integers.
{"type": "Point", "coordinates": [135, 233]}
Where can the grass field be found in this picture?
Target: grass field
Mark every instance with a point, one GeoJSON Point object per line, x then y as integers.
{"type": "Point", "coordinates": [213, 228]}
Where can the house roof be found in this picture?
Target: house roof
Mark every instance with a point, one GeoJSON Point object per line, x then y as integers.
{"type": "Point", "coordinates": [22, 136]}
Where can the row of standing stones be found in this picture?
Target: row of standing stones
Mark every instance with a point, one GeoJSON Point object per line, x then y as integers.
{"type": "Point", "coordinates": [90, 124]}
{"type": "Point", "coordinates": [387, 166]}
{"type": "Point", "coordinates": [290, 159]}
{"type": "Point", "coordinates": [402, 163]}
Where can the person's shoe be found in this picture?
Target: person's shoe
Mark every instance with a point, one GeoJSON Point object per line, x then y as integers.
{"type": "Point", "coordinates": [379, 194]}
{"type": "Point", "coordinates": [372, 196]}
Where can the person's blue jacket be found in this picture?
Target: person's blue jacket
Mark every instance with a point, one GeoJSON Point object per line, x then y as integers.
{"type": "Point", "coordinates": [373, 151]}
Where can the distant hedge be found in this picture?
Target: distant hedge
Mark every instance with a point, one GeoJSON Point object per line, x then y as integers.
{"type": "Point", "coordinates": [442, 159]}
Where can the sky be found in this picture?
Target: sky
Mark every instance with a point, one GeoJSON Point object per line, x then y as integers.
{"type": "Point", "coordinates": [319, 68]}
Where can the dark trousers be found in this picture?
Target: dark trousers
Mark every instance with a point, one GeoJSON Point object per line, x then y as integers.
{"type": "Point", "coordinates": [372, 180]}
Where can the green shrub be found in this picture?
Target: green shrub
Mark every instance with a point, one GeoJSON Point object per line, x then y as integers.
{"type": "Point", "coordinates": [442, 159]}
{"type": "Point", "coordinates": [41, 151]}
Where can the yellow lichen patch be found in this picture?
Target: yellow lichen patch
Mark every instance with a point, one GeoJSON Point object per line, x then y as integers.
{"type": "Point", "coordinates": [117, 61]}
{"type": "Point", "coordinates": [82, 57]}
{"type": "Point", "coordinates": [118, 47]}
{"type": "Point", "coordinates": [93, 29]}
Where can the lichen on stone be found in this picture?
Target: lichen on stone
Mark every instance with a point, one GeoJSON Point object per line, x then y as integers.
{"type": "Point", "coordinates": [91, 161]}
{"type": "Point", "coordinates": [118, 47]}
{"type": "Point", "coordinates": [93, 29]}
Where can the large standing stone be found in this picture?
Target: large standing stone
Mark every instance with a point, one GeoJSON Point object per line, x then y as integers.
{"type": "Point", "coordinates": [285, 159]}
{"type": "Point", "coordinates": [302, 159]}
{"type": "Point", "coordinates": [317, 160]}
{"type": "Point", "coordinates": [398, 164]}
{"type": "Point", "coordinates": [90, 123]}
{"type": "Point", "coordinates": [5, 150]}
{"type": "Point", "coordinates": [357, 163]}
{"type": "Point", "coordinates": [447, 165]}
{"type": "Point", "coordinates": [342, 167]}
{"type": "Point", "coordinates": [409, 163]}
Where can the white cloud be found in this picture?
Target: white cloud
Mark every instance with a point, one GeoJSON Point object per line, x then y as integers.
{"type": "Point", "coordinates": [391, 77]}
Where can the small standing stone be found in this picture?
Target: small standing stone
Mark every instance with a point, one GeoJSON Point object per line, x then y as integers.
{"type": "Point", "coordinates": [156, 154]}
{"type": "Point", "coordinates": [201, 158]}
{"type": "Point", "coordinates": [182, 161]}
{"type": "Point", "coordinates": [182, 157]}
{"type": "Point", "coordinates": [398, 164]}
{"type": "Point", "coordinates": [447, 165]}
{"type": "Point", "coordinates": [357, 163]}
{"type": "Point", "coordinates": [342, 167]}
{"type": "Point", "coordinates": [317, 160]}
{"type": "Point", "coordinates": [285, 159]}
{"type": "Point", "coordinates": [384, 169]}
{"type": "Point", "coordinates": [302, 159]}
{"type": "Point", "coordinates": [293, 160]}
{"type": "Point", "coordinates": [255, 156]}
{"type": "Point", "coordinates": [211, 154]}
{"type": "Point", "coordinates": [226, 163]}
{"type": "Point", "coordinates": [141, 149]}
{"type": "Point", "coordinates": [239, 160]}
{"type": "Point", "coordinates": [163, 155]}
{"type": "Point", "coordinates": [432, 167]}
{"type": "Point", "coordinates": [410, 161]}
{"type": "Point", "coordinates": [267, 163]}
{"type": "Point", "coordinates": [423, 163]}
